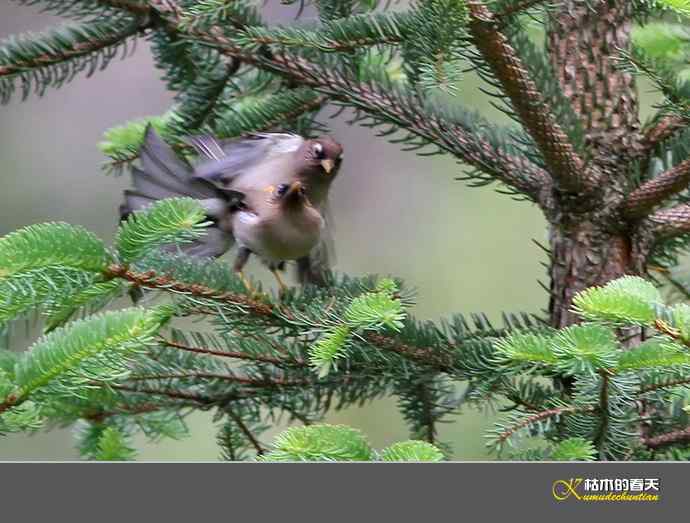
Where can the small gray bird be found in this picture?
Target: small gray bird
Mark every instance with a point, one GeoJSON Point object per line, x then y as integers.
{"type": "Point", "coordinates": [271, 217]}
{"type": "Point", "coordinates": [277, 223]}
{"type": "Point", "coordinates": [271, 159]}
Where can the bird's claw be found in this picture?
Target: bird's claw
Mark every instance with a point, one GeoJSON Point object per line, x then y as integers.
{"type": "Point", "coordinates": [282, 287]}
{"type": "Point", "coordinates": [253, 293]}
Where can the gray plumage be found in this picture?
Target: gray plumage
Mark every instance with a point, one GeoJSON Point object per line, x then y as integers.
{"type": "Point", "coordinates": [257, 194]}
{"type": "Point", "coordinates": [269, 159]}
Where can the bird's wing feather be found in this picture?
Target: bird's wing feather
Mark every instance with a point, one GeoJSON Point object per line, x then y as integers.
{"type": "Point", "coordinates": [160, 161]}
{"type": "Point", "coordinates": [226, 160]}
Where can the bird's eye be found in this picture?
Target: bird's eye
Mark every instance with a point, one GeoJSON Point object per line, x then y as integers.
{"type": "Point", "coordinates": [282, 189]}
{"type": "Point", "coordinates": [318, 151]}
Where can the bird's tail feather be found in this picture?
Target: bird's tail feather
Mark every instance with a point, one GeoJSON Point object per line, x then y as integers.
{"type": "Point", "coordinates": [163, 175]}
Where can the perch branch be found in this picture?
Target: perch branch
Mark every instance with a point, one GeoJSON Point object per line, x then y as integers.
{"type": "Point", "coordinates": [151, 280]}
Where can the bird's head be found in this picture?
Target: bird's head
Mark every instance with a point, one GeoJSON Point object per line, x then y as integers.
{"type": "Point", "coordinates": [322, 156]}
{"type": "Point", "coordinates": [293, 194]}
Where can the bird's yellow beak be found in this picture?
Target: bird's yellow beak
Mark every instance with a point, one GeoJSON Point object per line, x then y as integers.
{"type": "Point", "coordinates": [327, 165]}
{"type": "Point", "coordinates": [294, 187]}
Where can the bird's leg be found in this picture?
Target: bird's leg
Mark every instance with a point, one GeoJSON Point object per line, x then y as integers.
{"type": "Point", "coordinates": [240, 261]}
{"type": "Point", "coordinates": [281, 284]}
{"type": "Point", "coordinates": [247, 284]}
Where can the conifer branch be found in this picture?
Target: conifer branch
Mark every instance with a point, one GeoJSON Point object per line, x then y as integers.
{"type": "Point", "coordinates": [604, 414]}
{"type": "Point", "coordinates": [55, 57]}
{"type": "Point", "coordinates": [151, 280]}
{"type": "Point", "coordinates": [173, 394]}
{"type": "Point", "coordinates": [664, 385]}
{"type": "Point", "coordinates": [231, 354]}
{"type": "Point", "coordinates": [240, 380]}
{"type": "Point", "coordinates": [665, 128]}
{"type": "Point", "coordinates": [669, 223]}
{"type": "Point", "coordinates": [567, 168]}
{"type": "Point", "coordinates": [129, 410]}
{"type": "Point", "coordinates": [51, 57]}
{"type": "Point", "coordinates": [667, 439]}
{"type": "Point", "coordinates": [266, 311]}
{"type": "Point", "coordinates": [515, 171]}
{"type": "Point", "coordinates": [428, 418]}
{"type": "Point", "coordinates": [517, 7]}
{"type": "Point", "coordinates": [343, 35]}
{"type": "Point", "coordinates": [81, 9]}
{"type": "Point", "coordinates": [245, 430]}
{"type": "Point", "coordinates": [424, 356]}
{"type": "Point", "coordinates": [454, 138]}
{"type": "Point", "coordinates": [657, 190]}
{"type": "Point", "coordinates": [536, 418]}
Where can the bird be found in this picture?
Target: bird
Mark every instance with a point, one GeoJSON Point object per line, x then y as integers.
{"type": "Point", "coordinates": [277, 223]}
{"type": "Point", "coordinates": [274, 158]}
{"type": "Point", "coordinates": [272, 217]}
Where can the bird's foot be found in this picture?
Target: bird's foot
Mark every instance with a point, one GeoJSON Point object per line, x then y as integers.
{"type": "Point", "coordinates": [282, 288]}
{"type": "Point", "coordinates": [251, 290]}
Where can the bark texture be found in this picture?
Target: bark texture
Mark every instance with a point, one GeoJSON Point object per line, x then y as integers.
{"type": "Point", "coordinates": [594, 246]}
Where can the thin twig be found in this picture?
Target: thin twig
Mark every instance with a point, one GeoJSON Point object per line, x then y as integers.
{"type": "Point", "coordinates": [600, 436]}
{"type": "Point", "coordinates": [248, 433]}
{"type": "Point", "coordinates": [540, 416]}
{"type": "Point", "coordinates": [663, 385]}
{"type": "Point", "coordinates": [230, 354]}
{"type": "Point", "coordinates": [669, 223]}
{"type": "Point", "coordinates": [273, 382]}
{"type": "Point", "coordinates": [174, 394]}
{"type": "Point", "coordinates": [517, 7]}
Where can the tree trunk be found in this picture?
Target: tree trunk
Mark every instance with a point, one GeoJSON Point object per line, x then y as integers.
{"type": "Point", "coordinates": [594, 247]}
{"type": "Point", "coordinates": [585, 256]}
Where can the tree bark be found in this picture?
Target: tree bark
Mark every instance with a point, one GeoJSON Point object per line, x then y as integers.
{"type": "Point", "coordinates": [584, 256]}
{"type": "Point", "coordinates": [583, 41]}
{"type": "Point", "coordinates": [594, 246]}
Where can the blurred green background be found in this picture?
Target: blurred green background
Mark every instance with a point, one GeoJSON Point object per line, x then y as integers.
{"type": "Point", "coordinates": [464, 250]}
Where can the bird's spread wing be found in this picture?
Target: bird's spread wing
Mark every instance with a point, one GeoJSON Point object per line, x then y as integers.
{"type": "Point", "coordinates": [164, 175]}
{"type": "Point", "coordinates": [225, 160]}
